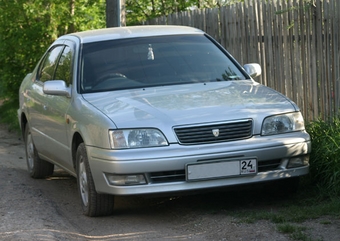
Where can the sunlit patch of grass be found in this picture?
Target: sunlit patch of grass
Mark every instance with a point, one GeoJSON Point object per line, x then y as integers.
{"type": "Point", "coordinates": [295, 232]}
{"type": "Point", "coordinates": [286, 228]}
{"type": "Point", "coordinates": [326, 222]}
{"type": "Point", "coordinates": [300, 235]}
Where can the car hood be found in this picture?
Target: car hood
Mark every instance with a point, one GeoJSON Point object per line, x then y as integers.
{"type": "Point", "coordinates": [168, 106]}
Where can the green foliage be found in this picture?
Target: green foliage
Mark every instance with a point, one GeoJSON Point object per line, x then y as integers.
{"type": "Point", "coordinates": [325, 156]}
{"type": "Point", "coordinates": [27, 28]}
{"type": "Point", "coordinates": [139, 11]}
{"type": "Point", "coordinates": [8, 110]}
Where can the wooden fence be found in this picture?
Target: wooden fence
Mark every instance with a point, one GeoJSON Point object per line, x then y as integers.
{"type": "Point", "coordinates": [297, 44]}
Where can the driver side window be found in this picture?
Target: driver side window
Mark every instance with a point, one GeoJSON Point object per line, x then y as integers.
{"type": "Point", "coordinates": [64, 67]}
{"type": "Point", "coordinates": [48, 66]}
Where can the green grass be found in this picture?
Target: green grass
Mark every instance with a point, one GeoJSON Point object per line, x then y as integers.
{"type": "Point", "coordinates": [294, 214]}
{"type": "Point", "coordinates": [295, 232]}
{"type": "Point", "coordinates": [287, 228]}
{"type": "Point", "coordinates": [325, 156]}
{"type": "Point", "coordinates": [289, 213]}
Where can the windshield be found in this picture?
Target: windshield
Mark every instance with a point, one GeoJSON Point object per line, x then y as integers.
{"type": "Point", "coordinates": [154, 61]}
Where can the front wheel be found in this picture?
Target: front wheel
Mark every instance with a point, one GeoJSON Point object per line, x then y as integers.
{"type": "Point", "coordinates": [93, 204]}
{"type": "Point", "coordinates": [37, 167]}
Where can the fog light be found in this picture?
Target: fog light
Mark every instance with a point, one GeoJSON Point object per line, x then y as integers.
{"type": "Point", "coordinates": [125, 180]}
{"type": "Point", "coordinates": [298, 161]}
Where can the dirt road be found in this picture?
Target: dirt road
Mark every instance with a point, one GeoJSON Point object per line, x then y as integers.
{"type": "Point", "coordinates": [49, 209]}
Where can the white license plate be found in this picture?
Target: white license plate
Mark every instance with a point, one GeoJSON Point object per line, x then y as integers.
{"type": "Point", "coordinates": [196, 171]}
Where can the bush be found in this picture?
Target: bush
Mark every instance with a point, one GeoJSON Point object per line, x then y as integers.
{"type": "Point", "coordinates": [8, 110]}
{"type": "Point", "coordinates": [325, 156]}
{"type": "Point", "coordinates": [27, 28]}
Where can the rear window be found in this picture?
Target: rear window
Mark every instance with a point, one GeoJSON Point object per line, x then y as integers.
{"type": "Point", "coordinates": [154, 61]}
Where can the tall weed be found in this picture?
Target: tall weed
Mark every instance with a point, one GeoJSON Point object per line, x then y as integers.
{"type": "Point", "coordinates": [325, 156]}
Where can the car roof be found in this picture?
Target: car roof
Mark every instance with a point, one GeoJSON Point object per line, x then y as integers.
{"type": "Point", "coordinates": [131, 32]}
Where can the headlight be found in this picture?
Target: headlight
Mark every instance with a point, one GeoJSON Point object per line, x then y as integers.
{"type": "Point", "coordinates": [283, 123]}
{"type": "Point", "coordinates": [136, 138]}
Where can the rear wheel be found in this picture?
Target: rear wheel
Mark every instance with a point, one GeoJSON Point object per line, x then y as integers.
{"type": "Point", "coordinates": [93, 204]}
{"type": "Point", "coordinates": [37, 167]}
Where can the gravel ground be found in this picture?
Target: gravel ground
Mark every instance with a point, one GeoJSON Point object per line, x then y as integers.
{"type": "Point", "coordinates": [49, 209]}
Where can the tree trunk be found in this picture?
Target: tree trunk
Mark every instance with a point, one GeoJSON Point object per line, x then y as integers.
{"type": "Point", "coordinates": [122, 13]}
{"type": "Point", "coordinates": [72, 7]}
{"type": "Point", "coordinates": [115, 13]}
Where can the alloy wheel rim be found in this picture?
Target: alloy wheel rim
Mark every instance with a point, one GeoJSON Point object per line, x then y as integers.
{"type": "Point", "coordinates": [30, 152]}
{"type": "Point", "coordinates": [83, 184]}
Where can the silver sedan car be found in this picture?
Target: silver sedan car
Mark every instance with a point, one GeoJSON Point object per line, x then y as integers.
{"type": "Point", "coordinates": [155, 109]}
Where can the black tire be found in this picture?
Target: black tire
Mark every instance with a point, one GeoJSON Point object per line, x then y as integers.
{"type": "Point", "coordinates": [37, 167]}
{"type": "Point", "coordinates": [93, 204]}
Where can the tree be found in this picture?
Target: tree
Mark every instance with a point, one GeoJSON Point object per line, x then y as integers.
{"type": "Point", "coordinates": [28, 27]}
{"type": "Point", "coordinates": [139, 11]}
{"type": "Point", "coordinates": [142, 10]}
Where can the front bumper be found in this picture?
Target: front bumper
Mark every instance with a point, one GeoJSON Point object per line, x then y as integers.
{"type": "Point", "coordinates": [146, 161]}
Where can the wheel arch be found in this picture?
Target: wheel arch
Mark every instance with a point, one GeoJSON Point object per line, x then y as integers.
{"type": "Point", "coordinates": [77, 140]}
{"type": "Point", "coordinates": [23, 123]}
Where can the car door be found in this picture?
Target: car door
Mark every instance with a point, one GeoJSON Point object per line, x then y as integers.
{"type": "Point", "coordinates": [53, 120]}
{"type": "Point", "coordinates": [37, 100]}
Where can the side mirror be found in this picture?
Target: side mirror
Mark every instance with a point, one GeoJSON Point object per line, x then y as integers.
{"type": "Point", "coordinates": [56, 87]}
{"type": "Point", "coordinates": [253, 70]}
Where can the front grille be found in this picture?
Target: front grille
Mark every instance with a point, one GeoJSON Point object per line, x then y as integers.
{"type": "Point", "coordinates": [179, 175]}
{"type": "Point", "coordinates": [229, 131]}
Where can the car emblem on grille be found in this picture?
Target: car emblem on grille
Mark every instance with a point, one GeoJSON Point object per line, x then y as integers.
{"type": "Point", "coordinates": [216, 132]}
